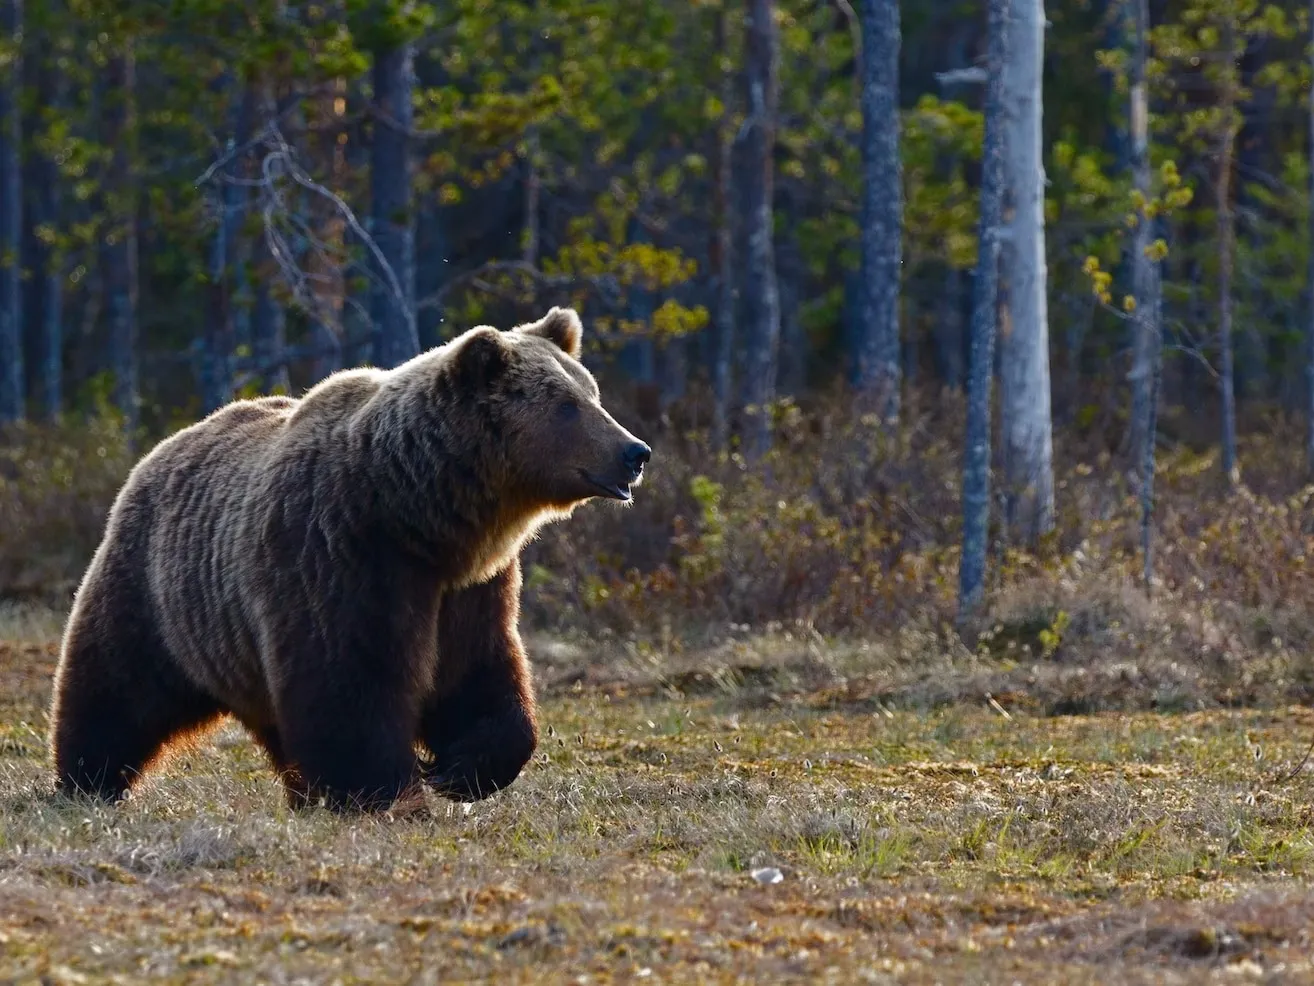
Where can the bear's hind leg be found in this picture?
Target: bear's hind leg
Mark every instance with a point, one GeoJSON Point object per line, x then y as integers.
{"type": "Point", "coordinates": [118, 701]}
{"type": "Point", "coordinates": [480, 722]}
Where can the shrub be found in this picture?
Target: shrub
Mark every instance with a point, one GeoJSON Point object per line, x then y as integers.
{"type": "Point", "coordinates": [56, 487]}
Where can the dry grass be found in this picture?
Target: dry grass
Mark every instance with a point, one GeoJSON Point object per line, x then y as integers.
{"type": "Point", "coordinates": [944, 841]}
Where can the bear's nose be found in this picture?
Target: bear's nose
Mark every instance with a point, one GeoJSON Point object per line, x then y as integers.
{"type": "Point", "coordinates": [635, 457]}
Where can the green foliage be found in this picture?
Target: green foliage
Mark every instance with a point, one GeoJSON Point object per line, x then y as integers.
{"type": "Point", "coordinates": [939, 140]}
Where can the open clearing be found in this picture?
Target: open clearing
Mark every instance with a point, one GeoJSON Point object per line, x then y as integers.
{"type": "Point", "coordinates": [961, 842]}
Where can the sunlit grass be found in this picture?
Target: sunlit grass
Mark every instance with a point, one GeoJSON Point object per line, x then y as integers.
{"type": "Point", "coordinates": [927, 844]}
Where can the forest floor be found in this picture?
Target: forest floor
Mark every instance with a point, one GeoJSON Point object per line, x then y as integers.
{"type": "Point", "coordinates": [769, 819]}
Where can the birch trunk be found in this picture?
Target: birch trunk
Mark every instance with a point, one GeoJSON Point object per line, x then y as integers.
{"type": "Point", "coordinates": [1145, 328]}
{"type": "Point", "coordinates": [1147, 363]}
{"type": "Point", "coordinates": [1024, 329]}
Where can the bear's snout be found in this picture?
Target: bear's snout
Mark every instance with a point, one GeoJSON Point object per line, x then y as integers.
{"type": "Point", "coordinates": [634, 458]}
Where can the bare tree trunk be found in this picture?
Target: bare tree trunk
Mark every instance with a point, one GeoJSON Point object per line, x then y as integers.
{"type": "Point", "coordinates": [430, 268]}
{"type": "Point", "coordinates": [1309, 325]}
{"type": "Point", "coordinates": [723, 357]}
{"type": "Point", "coordinates": [358, 337]}
{"type": "Point", "coordinates": [760, 293]}
{"type": "Point", "coordinates": [392, 302]}
{"type": "Point", "coordinates": [49, 270]}
{"type": "Point", "coordinates": [328, 328]}
{"type": "Point", "coordinates": [976, 458]}
{"type": "Point", "coordinates": [218, 359]}
{"type": "Point", "coordinates": [1152, 302]}
{"type": "Point", "coordinates": [237, 205]}
{"type": "Point", "coordinates": [119, 250]}
{"type": "Point", "coordinates": [217, 353]}
{"type": "Point", "coordinates": [1147, 291]}
{"type": "Point", "coordinates": [1145, 330]}
{"type": "Point", "coordinates": [1226, 252]}
{"type": "Point", "coordinates": [11, 219]}
{"type": "Point", "coordinates": [792, 372]}
{"type": "Point", "coordinates": [268, 321]}
{"type": "Point", "coordinates": [882, 207]}
{"type": "Point", "coordinates": [1024, 335]}
{"type": "Point", "coordinates": [947, 333]}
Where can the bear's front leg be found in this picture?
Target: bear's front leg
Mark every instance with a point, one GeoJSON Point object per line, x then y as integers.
{"type": "Point", "coordinates": [480, 722]}
{"type": "Point", "coordinates": [347, 723]}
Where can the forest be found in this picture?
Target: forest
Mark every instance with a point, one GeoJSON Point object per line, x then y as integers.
{"type": "Point", "coordinates": [773, 220]}
{"type": "Point", "coordinates": [963, 624]}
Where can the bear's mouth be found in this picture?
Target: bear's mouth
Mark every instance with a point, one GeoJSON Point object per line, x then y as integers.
{"type": "Point", "coordinates": [613, 491]}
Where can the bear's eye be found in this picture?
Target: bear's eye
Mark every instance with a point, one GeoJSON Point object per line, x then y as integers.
{"type": "Point", "coordinates": [568, 409]}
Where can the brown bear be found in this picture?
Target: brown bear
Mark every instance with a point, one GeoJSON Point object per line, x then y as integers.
{"type": "Point", "coordinates": [341, 574]}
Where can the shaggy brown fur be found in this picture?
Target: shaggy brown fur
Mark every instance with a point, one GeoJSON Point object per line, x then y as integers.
{"type": "Point", "coordinates": [341, 574]}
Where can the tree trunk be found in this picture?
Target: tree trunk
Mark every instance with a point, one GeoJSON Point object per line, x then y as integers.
{"type": "Point", "coordinates": [268, 321]}
{"type": "Point", "coordinates": [43, 294]}
{"type": "Point", "coordinates": [1024, 330]}
{"type": "Point", "coordinates": [430, 271]}
{"type": "Point", "coordinates": [792, 372]}
{"type": "Point", "coordinates": [237, 205]}
{"type": "Point", "coordinates": [760, 294]}
{"type": "Point", "coordinates": [11, 219]}
{"type": "Point", "coordinates": [49, 261]}
{"type": "Point", "coordinates": [1226, 252]}
{"type": "Point", "coordinates": [119, 250]}
{"type": "Point", "coordinates": [976, 458]}
{"type": "Point", "coordinates": [392, 301]}
{"type": "Point", "coordinates": [723, 356]}
{"type": "Point", "coordinates": [221, 314]}
{"type": "Point", "coordinates": [882, 207]}
{"type": "Point", "coordinates": [217, 354]}
{"type": "Point", "coordinates": [1152, 302]}
{"type": "Point", "coordinates": [948, 329]}
{"type": "Point", "coordinates": [1309, 325]}
{"type": "Point", "coordinates": [358, 336]}
{"type": "Point", "coordinates": [1146, 339]}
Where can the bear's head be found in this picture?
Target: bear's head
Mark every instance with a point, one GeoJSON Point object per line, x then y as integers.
{"type": "Point", "coordinates": [561, 445]}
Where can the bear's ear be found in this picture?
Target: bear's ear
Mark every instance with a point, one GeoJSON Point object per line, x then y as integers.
{"type": "Point", "coordinates": [561, 326]}
{"type": "Point", "coordinates": [480, 357]}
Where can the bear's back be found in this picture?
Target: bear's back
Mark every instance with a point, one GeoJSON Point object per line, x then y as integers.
{"type": "Point", "coordinates": [221, 494]}
{"type": "Point", "coordinates": [182, 510]}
